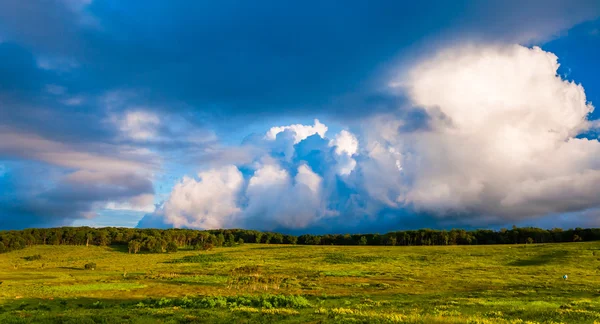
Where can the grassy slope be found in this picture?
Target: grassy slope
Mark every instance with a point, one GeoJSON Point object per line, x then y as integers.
{"type": "Point", "coordinates": [453, 284]}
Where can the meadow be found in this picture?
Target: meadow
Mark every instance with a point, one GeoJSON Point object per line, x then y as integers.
{"type": "Point", "coordinates": [260, 283]}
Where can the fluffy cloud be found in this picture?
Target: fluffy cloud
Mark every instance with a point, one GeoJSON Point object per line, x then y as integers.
{"type": "Point", "coordinates": [502, 142]}
{"type": "Point", "coordinates": [280, 192]}
{"type": "Point", "coordinates": [498, 145]}
{"type": "Point", "coordinates": [346, 145]}
{"type": "Point", "coordinates": [275, 200]}
{"type": "Point", "coordinates": [210, 202]}
{"type": "Point", "coordinates": [300, 131]}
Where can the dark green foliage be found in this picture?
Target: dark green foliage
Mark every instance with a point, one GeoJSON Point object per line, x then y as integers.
{"type": "Point", "coordinates": [230, 240]}
{"type": "Point", "coordinates": [171, 247]}
{"type": "Point", "coordinates": [134, 246]}
{"type": "Point", "coordinates": [160, 241]}
{"type": "Point", "coordinates": [264, 301]}
{"type": "Point", "coordinates": [362, 241]}
{"type": "Point", "coordinates": [90, 266]}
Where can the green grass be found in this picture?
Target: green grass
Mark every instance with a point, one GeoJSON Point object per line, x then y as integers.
{"type": "Point", "coordinates": [300, 284]}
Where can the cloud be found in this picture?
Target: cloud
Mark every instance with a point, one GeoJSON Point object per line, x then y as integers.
{"type": "Point", "coordinates": [32, 146]}
{"type": "Point", "coordinates": [498, 145]}
{"type": "Point", "coordinates": [139, 125]}
{"type": "Point", "coordinates": [301, 132]}
{"type": "Point", "coordinates": [276, 200]}
{"type": "Point", "coordinates": [88, 102]}
{"type": "Point", "coordinates": [346, 145]}
{"type": "Point", "coordinates": [503, 145]}
{"type": "Point", "coordinates": [209, 202]}
{"type": "Point", "coordinates": [75, 181]}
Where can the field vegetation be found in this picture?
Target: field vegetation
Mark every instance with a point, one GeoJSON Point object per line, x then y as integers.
{"type": "Point", "coordinates": [260, 283]}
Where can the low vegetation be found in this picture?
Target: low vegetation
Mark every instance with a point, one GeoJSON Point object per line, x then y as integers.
{"type": "Point", "coordinates": [258, 283]}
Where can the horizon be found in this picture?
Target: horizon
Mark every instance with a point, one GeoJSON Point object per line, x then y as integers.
{"type": "Point", "coordinates": [300, 118]}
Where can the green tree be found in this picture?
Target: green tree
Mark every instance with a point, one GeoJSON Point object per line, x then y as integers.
{"type": "Point", "coordinates": [529, 240]}
{"type": "Point", "coordinates": [362, 241]}
{"type": "Point", "coordinates": [171, 247]}
{"type": "Point", "coordinates": [134, 246]}
{"type": "Point", "coordinates": [220, 239]}
{"type": "Point", "coordinates": [230, 240]}
{"type": "Point", "coordinates": [102, 238]}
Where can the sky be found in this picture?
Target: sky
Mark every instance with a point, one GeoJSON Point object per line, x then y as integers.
{"type": "Point", "coordinates": [307, 117]}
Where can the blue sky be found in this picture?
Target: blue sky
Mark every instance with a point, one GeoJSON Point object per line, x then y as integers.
{"type": "Point", "coordinates": [307, 117]}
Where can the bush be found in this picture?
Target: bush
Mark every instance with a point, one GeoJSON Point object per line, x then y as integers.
{"type": "Point", "coordinates": [90, 266]}
{"type": "Point", "coordinates": [33, 257]}
{"type": "Point", "coordinates": [171, 247]}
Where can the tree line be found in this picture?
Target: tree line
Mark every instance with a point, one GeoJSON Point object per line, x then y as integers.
{"type": "Point", "coordinates": [169, 240]}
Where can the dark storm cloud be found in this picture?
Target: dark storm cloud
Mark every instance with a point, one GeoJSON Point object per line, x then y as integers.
{"type": "Point", "coordinates": [249, 59]}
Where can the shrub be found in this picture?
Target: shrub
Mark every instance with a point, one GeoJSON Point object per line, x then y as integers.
{"type": "Point", "coordinates": [363, 241]}
{"type": "Point", "coordinates": [171, 247]}
{"type": "Point", "coordinates": [90, 266]}
{"type": "Point", "coordinates": [33, 257]}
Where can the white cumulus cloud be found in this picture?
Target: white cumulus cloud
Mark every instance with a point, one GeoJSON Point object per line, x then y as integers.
{"type": "Point", "coordinates": [275, 199]}
{"type": "Point", "coordinates": [301, 132]}
{"type": "Point", "coordinates": [346, 145]}
{"type": "Point", "coordinates": [209, 202]}
{"type": "Point", "coordinates": [502, 141]}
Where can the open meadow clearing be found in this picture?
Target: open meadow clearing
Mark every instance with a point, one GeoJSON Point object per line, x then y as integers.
{"type": "Point", "coordinates": [299, 284]}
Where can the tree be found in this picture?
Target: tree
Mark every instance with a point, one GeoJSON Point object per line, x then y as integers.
{"type": "Point", "coordinates": [88, 238]}
{"type": "Point", "coordinates": [241, 241]}
{"type": "Point", "coordinates": [392, 240]}
{"type": "Point", "coordinates": [171, 247]}
{"type": "Point", "coordinates": [362, 241]}
{"type": "Point", "coordinates": [134, 246]}
{"type": "Point", "coordinates": [529, 240]}
{"type": "Point", "coordinates": [102, 238]}
{"type": "Point", "coordinates": [230, 240]}
{"type": "Point", "coordinates": [576, 238]}
{"type": "Point", "coordinates": [277, 238]}
{"type": "Point", "coordinates": [220, 239]}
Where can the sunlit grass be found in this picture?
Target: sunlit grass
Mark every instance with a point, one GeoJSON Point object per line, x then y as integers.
{"type": "Point", "coordinates": [436, 284]}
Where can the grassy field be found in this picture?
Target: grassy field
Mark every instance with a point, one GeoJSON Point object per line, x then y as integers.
{"type": "Point", "coordinates": [304, 284]}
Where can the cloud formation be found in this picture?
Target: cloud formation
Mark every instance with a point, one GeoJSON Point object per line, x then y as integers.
{"type": "Point", "coordinates": [105, 106]}
{"type": "Point", "coordinates": [500, 146]}
{"type": "Point", "coordinates": [503, 141]}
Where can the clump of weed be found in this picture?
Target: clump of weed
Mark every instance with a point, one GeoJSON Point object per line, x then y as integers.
{"type": "Point", "coordinates": [208, 302]}
{"type": "Point", "coordinates": [32, 257]}
{"type": "Point", "coordinates": [90, 266]}
{"type": "Point", "coordinates": [97, 305]}
{"type": "Point", "coordinates": [338, 258]}
{"type": "Point", "coordinates": [201, 258]}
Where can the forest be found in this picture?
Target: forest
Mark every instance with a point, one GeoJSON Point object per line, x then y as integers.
{"type": "Point", "coordinates": [170, 240]}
